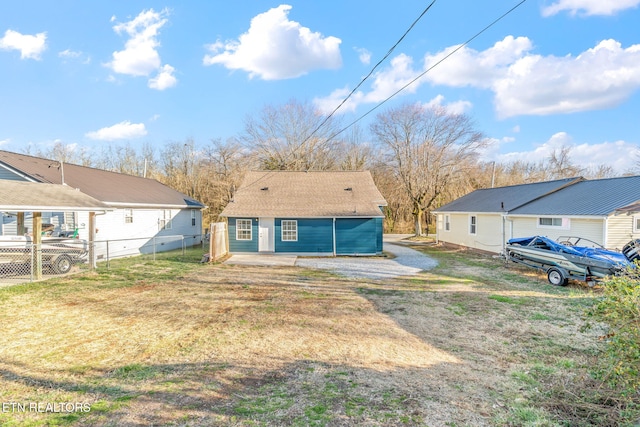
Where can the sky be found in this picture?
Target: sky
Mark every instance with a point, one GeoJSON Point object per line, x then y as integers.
{"type": "Point", "coordinates": [532, 75]}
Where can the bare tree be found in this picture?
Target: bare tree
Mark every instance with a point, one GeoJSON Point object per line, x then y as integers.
{"type": "Point", "coordinates": [182, 167]}
{"type": "Point", "coordinates": [226, 164]}
{"type": "Point", "coordinates": [427, 148]}
{"type": "Point", "coordinates": [293, 136]}
{"type": "Point", "coordinates": [560, 164]}
{"type": "Point", "coordinates": [354, 153]}
{"type": "Point", "coordinates": [124, 159]}
{"type": "Point", "coordinates": [66, 153]}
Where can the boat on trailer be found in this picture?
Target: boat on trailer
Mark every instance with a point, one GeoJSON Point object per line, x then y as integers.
{"type": "Point", "coordinates": [571, 258]}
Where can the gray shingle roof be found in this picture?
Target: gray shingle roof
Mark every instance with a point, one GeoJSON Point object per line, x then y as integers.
{"type": "Point", "coordinates": [108, 187]}
{"type": "Point", "coordinates": [504, 199]}
{"type": "Point", "coordinates": [306, 195]}
{"type": "Point", "coordinates": [19, 196]}
{"type": "Point", "coordinates": [598, 197]}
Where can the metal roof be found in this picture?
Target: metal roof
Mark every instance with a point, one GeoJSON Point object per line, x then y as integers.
{"type": "Point", "coordinates": [504, 199]}
{"type": "Point", "coordinates": [306, 195]}
{"type": "Point", "coordinates": [19, 196]}
{"type": "Point", "coordinates": [598, 197]}
{"type": "Point", "coordinates": [109, 187]}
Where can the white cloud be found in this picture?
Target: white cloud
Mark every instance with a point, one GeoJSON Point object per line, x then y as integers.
{"type": "Point", "coordinates": [457, 107]}
{"type": "Point", "coordinates": [598, 78]}
{"type": "Point", "coordinates": [122, 130]}
{"type": "Point", "coordinates": [589, 7]}
{"type": "Point", "coordinates": [523, 83]}
{"type": "Point", "coordinates": [30, 47]}
{"type": "Point", "coordinates": [364, 55]}
{"type": "Point", "coordinates": [68, 53]}
{"type": "Point", "coordinates": [276, 48]}
{"type": "Point", "coordinates": [72, 55]}
{"type": "Point", "coordinates": [617, 154]}
{"type": "Point", "coordinates": [140, 57]}
{"type": "Point", "coordinates": [165, 78]}
{"type": "Point", "coordinates": [4, 142]}
{"type": "Point", "coordinates": [385, 84]}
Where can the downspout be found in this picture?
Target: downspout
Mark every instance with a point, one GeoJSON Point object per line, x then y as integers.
{"type": "Point", "coordinates": [334, 236]}
{"type": "Point", "coordinates": [605, 227]}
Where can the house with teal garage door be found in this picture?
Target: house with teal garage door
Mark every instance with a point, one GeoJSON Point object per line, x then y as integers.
{"type": "Point", "coordinates": [306, 213]}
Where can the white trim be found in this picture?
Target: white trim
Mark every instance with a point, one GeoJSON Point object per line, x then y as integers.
{"type": "Point", "coordinates": [565, 223]}
{"type": "Point", "coordinates": [130, 216]}
{"type": "Point", "coordinates": [473, 224]}
{"type": "Point", "coordinates": [636, 222]}
{"type": "Point", "coordinates": [308, 217]}
{"type": "Point", "coordinates": [250, 230]}
{"type": "Point", "coordinates": [151, 206]}
{"type": "Point", "coordinates": [557, 216]}
{"type": "Point", "coordinates": [282, 230]}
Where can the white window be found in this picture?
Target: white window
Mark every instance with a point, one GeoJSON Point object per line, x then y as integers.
{"type": "Point", "coordinates": [243, 229]}
{"type": "Point", "coordinates": [636, 224]}
{"type": "Point", "coordinates": [550, 222]}
{"type": "Point", "coordinates": [128, 216]}
{"type": "Point", "coordinates": [447, 223]}
{"type": "Point", "coordinates": [289, 230]}
{"type": "Point", "coordinates": [193, 218]}
{"type": "Point", "coordinates": [165, 220]}
{"type": "Point", "coordinates": [473, 222]}
{"type": "Point", "coordinates": [554, 222]}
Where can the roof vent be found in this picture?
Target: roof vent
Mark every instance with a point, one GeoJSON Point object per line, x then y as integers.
{"type": "Point", "coordinates": [348, 189]}
{"type": "Point", "coordinates": [264, 188]}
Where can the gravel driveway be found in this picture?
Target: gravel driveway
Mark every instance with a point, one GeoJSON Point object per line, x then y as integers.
{"type": "Point", "coordinates": [407, 262]}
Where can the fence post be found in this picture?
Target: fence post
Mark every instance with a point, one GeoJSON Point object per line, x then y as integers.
{"type": "Point", "coordinates": [212, 244]}
{"type": "Point", "coordinates": [108, 258]}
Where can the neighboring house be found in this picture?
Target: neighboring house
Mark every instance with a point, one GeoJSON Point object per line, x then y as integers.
{"type": "Point", "coordinates": [313, 213]}
{"type": "Point", "coordinates": [143, 209]}
{"type": "Point", "coordinates": [603, 210]}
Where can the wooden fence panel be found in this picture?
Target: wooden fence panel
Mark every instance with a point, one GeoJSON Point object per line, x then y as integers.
{"type": "Point", "coordinates": [218, 242]}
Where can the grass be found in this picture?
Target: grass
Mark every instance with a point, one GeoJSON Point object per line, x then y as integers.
{"type": "Point", "coordinates": [176, 342]}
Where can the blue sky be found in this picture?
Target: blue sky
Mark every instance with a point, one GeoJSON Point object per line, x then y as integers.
{"type": "Point", "coordinates": [551, 73]}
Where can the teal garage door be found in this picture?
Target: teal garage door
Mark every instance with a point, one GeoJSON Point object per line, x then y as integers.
{"type": "Point", "coordinates": [355, 236]}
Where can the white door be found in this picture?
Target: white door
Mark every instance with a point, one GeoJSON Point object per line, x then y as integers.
{"type": "Point", "coordinates": [265, 235]}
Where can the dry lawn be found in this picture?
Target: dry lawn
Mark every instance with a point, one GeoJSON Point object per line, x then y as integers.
{"type": "Point", "coordinates": [471, 343]}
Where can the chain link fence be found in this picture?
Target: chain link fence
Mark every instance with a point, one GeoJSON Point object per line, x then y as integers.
{"type": "Point", "coordinates": [18, 255]}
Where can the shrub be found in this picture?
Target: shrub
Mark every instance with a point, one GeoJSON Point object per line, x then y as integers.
{"type": "Point", "coordinates": [619, 309]}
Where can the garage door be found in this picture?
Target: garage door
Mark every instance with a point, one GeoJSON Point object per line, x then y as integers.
{"type": "Point", "coordinates": [355, 236]}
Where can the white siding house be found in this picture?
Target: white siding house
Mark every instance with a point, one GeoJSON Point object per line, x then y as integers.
{"type": "Point", "coordinates": [142, 210]}
{"type": "Point", "coordinates": [606, 211]}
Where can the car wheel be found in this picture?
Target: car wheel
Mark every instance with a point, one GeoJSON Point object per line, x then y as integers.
{"type": "Point", "coordinates": [557, 277]}
{"type": "Point", "coordinates": [62, 264]}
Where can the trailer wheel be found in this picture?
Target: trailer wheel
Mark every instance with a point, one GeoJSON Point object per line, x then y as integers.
{"type": "Point", "coordinates": [557, 277]}
{"type": "Point", "coordinates": [62, 264]}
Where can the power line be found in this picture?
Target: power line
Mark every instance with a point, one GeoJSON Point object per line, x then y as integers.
{"type": "Point", "coordinates": [426, 71]}
{"type": "Point", "coordinates": [370, 72]}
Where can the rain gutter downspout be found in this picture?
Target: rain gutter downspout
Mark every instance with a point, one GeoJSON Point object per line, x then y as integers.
{"type": "Point", "coordinates": [334, 236]}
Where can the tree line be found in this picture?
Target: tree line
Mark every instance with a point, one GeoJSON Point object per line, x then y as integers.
{"type": "Point", "coordinates": [421, 158]}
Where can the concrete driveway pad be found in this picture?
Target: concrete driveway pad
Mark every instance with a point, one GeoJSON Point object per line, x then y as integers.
{"type": "Point", "coordinates": [407, 262]}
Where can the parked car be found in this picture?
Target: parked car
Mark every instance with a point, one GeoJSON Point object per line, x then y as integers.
{"type": "Point", "coordinates": [58, 253]}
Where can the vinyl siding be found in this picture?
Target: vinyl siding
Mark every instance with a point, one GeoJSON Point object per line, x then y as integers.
{"type": "Point", "coordinates": [10, 222]}
{"type": "Point", "coordinates": [356, 236]}
{"type": "Point", "coordinates": [488, 235]}
{"type": "Point", "coordinates": [8, 175]}
{"type": "Point", "coordinates": [620, 231]}
{"type": "Point", "coordinates": [119, 238]}
{"type": "Point", "coordinates": [591, 229]}
{"type": "Point", "coordinates": [243, 245]}
{"type": "Point", "coordinates": [314, 235]}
